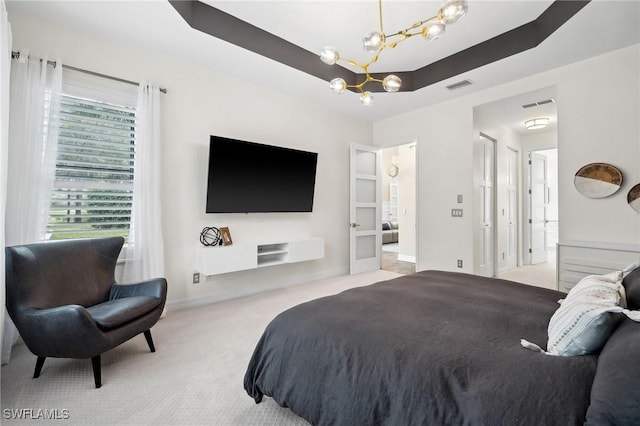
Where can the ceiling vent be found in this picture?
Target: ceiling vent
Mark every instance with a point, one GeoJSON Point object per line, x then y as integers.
{"type": "Point", "coordinates": [459, 85]}
{"type": "Point", "coordinates": [534, 104]}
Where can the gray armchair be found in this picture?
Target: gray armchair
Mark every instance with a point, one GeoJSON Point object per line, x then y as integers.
{"type": "Point", "coordinates": [64, 301]}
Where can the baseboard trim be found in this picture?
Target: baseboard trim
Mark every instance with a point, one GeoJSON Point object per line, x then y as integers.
{"type": "Point", "coordinates": [405, 258]}
{"type": "Point", "coordinates": [505, 269]}
{"type": "Point", "coordinates": [194, 302]}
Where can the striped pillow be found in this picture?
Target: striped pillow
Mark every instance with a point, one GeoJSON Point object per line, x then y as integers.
{"type": "Point", "coordinates": [584, 321]}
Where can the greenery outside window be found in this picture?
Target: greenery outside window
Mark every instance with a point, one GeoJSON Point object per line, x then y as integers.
{"type": "Point", "coordinates": [92, 193]}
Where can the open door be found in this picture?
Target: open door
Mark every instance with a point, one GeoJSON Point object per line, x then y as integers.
{"type": "Point", "coordinates": [511, 255]}
{"type": "Point", "coordinates": [484, 240]}
{"type": "Point", "coordinates": [365, 209]}
{"type": "Point", "coordinates": [538, 200]}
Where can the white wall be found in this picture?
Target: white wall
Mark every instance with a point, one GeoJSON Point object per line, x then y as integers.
{"type": "Point", "coordinates": [200, 103]}
{"type": "Point", "coordinates": [444, 160]}
{"type": "Point", "coordinates": [598, 120]}
{"type": "Point", "coordinates": [599, 116]}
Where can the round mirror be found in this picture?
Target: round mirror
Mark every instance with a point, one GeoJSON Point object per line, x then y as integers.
{"type": "Point", "coordinates": [598, 180]}
{"type": "Point", "coordinates": [633, 198]}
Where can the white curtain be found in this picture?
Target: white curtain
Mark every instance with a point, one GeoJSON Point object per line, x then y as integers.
{"type": "Point", "coordinates": [34, 101]}
{"type": "Point", "coordinates": [145, 248]}
{"type": "Point", "coordinates": [33, 135]}
{"type": "Point", "coordinates": [5, 67]}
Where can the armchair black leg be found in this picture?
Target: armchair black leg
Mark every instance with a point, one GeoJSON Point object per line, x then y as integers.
{"type": "Point", "coordinates": [39, 364]}
{"type": "Point", "coordinates": [97, 373]}
{"type": "Point", "coordinates": [147, 335]}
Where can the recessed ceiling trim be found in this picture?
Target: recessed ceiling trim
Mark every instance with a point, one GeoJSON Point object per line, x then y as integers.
{"type": "Point", "coordinates": [514, 41]}
{"type": "Point", "coordinates": [219, 24]}
{"type": "Point", "coordinates": [224, 26]}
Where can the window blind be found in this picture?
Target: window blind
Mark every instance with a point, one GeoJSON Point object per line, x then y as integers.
{"type": "Point", "coordinates": [92, 193]}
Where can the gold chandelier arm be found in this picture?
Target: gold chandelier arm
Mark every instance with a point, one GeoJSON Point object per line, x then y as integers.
{"type": "Point", "coordinates": [364, 66]}
{"type": "Point", "coordinates": [412, 27]}
{"type": "Point", "coordinates": [376, 41]}
{"type": "Point", "coordinates": [404, 37]}
{"type": "Point", "coordinates": [354, 63]}
{"type": "Point", "coordinates": [360, 86]}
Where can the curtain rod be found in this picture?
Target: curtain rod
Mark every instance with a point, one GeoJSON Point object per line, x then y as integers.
{"type": "Point", "coordinates": [16, 55]}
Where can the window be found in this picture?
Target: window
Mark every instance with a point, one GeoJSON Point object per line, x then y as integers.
{"type": "Point", "coordinates": [93, 189]}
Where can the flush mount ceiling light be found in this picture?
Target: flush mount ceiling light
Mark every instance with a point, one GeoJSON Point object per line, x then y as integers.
{"type": "Point", "coordinates": [536, 123]}
{"type": "Point", "coordinates": [376, 41]}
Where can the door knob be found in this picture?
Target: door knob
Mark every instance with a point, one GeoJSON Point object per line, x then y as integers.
{"type": "Point", "coordinates": [355, 225]}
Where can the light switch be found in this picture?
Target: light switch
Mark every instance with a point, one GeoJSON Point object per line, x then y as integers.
{"type": "Point", "coordinates": [456, 212]}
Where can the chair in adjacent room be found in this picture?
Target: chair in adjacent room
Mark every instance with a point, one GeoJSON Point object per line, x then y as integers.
{"type": "Point", "coordinates": [63, 298]}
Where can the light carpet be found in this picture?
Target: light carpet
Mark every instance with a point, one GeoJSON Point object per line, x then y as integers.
{"type": "Point", "coordinates": [539, 275]}
{"type": "Point", "coordinates": [195, 377]}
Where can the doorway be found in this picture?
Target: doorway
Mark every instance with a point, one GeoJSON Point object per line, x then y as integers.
{"type": "Point", "coordinates": [526, 199]}
{"type": "Point", "coordinates": [398, 188]}
{"type": "Point", "coordinates": [541, 221]}
{"type": "Point", "coordinates": [484, 178]}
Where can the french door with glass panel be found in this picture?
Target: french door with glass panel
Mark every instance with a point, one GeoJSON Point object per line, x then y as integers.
{"type": "Point", "coordinates": [365, 209]}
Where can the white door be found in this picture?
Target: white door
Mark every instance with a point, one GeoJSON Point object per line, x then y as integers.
{"type": "Point", "coordinates": [365, 209]}
{"type": "Point", "coordinates": [511, 255]}
{"type": "Point", "coordinates": [537, 208]}
{"type": "Point", "coordinates": [484, 235]}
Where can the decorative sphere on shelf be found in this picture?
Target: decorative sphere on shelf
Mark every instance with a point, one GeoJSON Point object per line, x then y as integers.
{"type": "Point", "coordinates": [210, 236]}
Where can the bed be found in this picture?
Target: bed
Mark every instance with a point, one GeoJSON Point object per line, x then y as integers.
{"type": "Point", "coordinates": [437, 348]}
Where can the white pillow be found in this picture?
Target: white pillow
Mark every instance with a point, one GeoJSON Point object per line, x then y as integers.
{"type": "Point", "coordinates": [585, 319]}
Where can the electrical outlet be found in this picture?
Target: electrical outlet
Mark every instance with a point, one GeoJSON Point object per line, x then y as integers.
{"type": "Point", "coordinates": [459, 263]}
{"type": "Point", "coordinates": [196, 277]}
{"type": "Point", "coordinates": [456, 212]}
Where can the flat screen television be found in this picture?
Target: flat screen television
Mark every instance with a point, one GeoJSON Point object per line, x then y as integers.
{"type": "Point", "coordinates": [248, 177]}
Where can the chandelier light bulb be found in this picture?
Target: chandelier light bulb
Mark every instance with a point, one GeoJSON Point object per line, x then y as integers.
{"type": "Point", "coordinates": [373, 41]}
{"type": "Point", "coordinates": [433, 29]}
{"type": "Point", "coordinates": [452, 11]}
{"type": "Point", "coordinates": [329, 55]}
{"type": "Point", "coordinates": [391, 83]}
{"type": "Point", "coordinates": [338, 85]}
{"type": "Point", "coordinates": [366, 99]}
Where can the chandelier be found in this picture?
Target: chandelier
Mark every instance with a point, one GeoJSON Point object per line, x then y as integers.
{"type": "Point", "coordinates": [376, 41]}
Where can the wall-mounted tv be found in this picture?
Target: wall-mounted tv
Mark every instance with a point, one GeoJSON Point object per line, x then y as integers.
{"type": "Point", "coordinates": [248, 177]}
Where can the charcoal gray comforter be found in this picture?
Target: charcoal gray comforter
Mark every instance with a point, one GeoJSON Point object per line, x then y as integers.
{"type": "Point", "coordinates": [433, 348]}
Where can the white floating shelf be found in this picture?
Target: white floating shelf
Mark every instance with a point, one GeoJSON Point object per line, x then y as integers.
{"type": "Point", "coordinates": [240, 257]}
